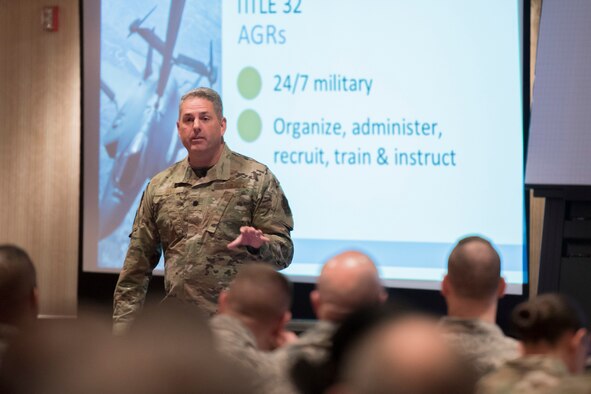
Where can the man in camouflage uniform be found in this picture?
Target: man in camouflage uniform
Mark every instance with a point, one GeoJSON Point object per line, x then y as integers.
{"type": "Point", "coordinates": [405, 355]}
{"type": "Point", "coordinates": [575, 385]}
{"type": "Point", "coordinates": [348, 281]}
{"type": "Point", "coordinates": [525, 375]}
{"type": "Point", "coordinates": [207, 213]}
{"type": "Point", "coordinates": [471, 289]}
{"type": "Point", "coordinates": [251, 321]}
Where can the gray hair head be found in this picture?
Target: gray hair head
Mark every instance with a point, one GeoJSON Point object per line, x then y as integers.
{"type": "Point", "coordinates": [207, 94]}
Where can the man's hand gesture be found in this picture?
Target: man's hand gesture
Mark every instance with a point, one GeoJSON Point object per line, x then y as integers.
{"type": "Point", "coordinates": [249, 236]}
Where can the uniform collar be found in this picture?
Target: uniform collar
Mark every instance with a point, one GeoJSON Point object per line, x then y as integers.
{"type": "Point", "coordinates": [219, 171]}
{"type": "Point", "coordinates": [471, 325]}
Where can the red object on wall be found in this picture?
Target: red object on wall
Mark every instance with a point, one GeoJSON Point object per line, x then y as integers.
{"type": "Point", "coordinates": [50, 18]}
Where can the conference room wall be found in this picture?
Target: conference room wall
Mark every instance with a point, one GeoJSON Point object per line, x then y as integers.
{"type": "Point", "coordinates": [40, 146]}
{"type": "Point", "coordinates": [536, 218]}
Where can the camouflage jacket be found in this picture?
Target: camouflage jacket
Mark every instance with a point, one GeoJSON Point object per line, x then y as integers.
{"type": "Point", "coordinates": [579, 384]}
{"type": "Point", "coordinates": [235, 341]}
{"type": "Point", "coordinates": [314, 345]}
{"type": "Point", "coordinates": [191, 220]}
{"type": "Point", "coordinates": [525, 375]}
{"type": "Point", "coordinates": [482, 343]}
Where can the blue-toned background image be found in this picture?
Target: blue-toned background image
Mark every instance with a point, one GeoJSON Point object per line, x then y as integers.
{"type": "Point", "coordinates": [152, 52]}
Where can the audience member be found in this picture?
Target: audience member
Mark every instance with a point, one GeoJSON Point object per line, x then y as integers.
{"type": "Point", "coordinates": [360, 345]}
{"type": "Point", "coordinates": [472, 288]}
{"type": "Point", "coordinates": [316, 378]}
{"type": "Point", "coordinates": [168, 350]}
{"type": "Point", "coordinates": [405, 356]}
{"type": "Point", "coordinates": [19, 299]}
{"type": "Point", "coordinates": [580, 384]}
{"type": "Point", "coordinates": [348, 281]}
{"type": "Point", "coordinates": [251, 321]}
{"type": "Point", "coordinates": [555, 341]}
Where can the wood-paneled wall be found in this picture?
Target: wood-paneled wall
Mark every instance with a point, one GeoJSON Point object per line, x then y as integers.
{"type": "Point", "coordinates": [40, 146]}
{"type": "Point", "coordinates": [536, 219]}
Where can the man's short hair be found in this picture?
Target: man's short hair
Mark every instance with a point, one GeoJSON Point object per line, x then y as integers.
{"type": "Point", "coordinates": [260, 292]}
{"type": "Point", "coordinates": [406, 355]}
{"type": "Point", "coordinates": [207, 94]}
{"type": "Point", "coordinates": [474, 268]}
{"type": "Point", "coordinates": [348, 281]}
{"type": "Point", "coordinates": [17, 277]}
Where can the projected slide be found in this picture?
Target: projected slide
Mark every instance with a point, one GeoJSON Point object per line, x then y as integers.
{"type": "Point", "coordinates": [151, 52]}
{"type": "Point", "coordinates": [395, 127]}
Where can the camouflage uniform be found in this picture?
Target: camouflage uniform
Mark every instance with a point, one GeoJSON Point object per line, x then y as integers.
{"type": "Point", "coordinates": [525, 375]}
{"type": "Point", "coordinates": [575, 385]}
{"type": "Point", "coordinates": [192, 219]}
{"type": "Point", "coordinates": [314, 345]}
{"type": "Point", "coordinates": [235, 341]}
{"type": "Point", "coordinates": [484, 344]}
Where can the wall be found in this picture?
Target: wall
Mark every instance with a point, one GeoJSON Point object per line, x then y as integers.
{"type": "Point", "coordinates": [536, 219]}
{"type": "Point", "coordinates": [40, 146]}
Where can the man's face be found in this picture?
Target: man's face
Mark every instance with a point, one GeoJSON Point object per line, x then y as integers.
{"type": "Point", "coordinates": [201, 131]}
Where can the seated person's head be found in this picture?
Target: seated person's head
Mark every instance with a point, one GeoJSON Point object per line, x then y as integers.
{"type": "Point", "coordinates": [473, 273]}
{"type": "Point", "coordinates": [18, 287]}
{"type": "Point", "coordinates": [168, 351]}
{"type": "Point", "coordinates": [405, 355]}
{"type": "Point", "coordinates": [348, 281]}
{"type": "Point", "coordinates": [553, 324]}
{"type": "Point", "coordinates": [261, 298]}
{"type": "Point", "coordinates": [316, 377]}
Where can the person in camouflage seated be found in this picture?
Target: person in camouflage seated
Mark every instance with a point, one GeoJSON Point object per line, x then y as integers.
{"type": "Point", "coordinates": [347, 282]}
{"type": "Point", "coordinates": [472, 288]}
{"type": "Point", "coordinates": [251, 320]}
{"type": "Point", "coordinates": [555, 341]}
{"type": "Point", "coordinates": [207, 213]}
{"type": "Point", "coordinates": [405, 355]}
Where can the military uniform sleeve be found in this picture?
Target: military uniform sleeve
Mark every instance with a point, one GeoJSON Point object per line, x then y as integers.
{"type": "Point", "coordinates": [273, 217]}
{"type": "Point", "coordinates": [142, 257]}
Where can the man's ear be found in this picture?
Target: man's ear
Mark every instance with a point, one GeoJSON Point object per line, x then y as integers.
{"type": "Point", "coordinates": [223, 125]}
{"type": "Point", "coordinates": [223, 301]}
{"type": "Point", "coordinates": [577, 339]}
{"type": "Point", "coordinates": [280, 324]}
{"type": "Point", "coordinates": [501, 288]}
{"type": "Point", "coordinates": [383, 295]}
{"type": "Point", "coordinates": [445, 286]}
{"type": "Point", "coordinates": [286, 319]}
{"type": "Point", "coordinates": [315, 301]}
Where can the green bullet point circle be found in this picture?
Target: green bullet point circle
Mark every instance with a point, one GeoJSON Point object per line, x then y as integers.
{"type": "Point", "coordinates": [249, 125]}
{"type": "Point", "coordinates": [249, 82]}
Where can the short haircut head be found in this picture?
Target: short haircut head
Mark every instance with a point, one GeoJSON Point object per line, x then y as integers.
{"type": "Point", "coordinates": [18, 277]}
{"type": "Point", "coordinates": [259, 292]}
{"type": "Point", "coordinates": [348, 281]}
{"type": "Point", "coordinates": [406, 355]}
{"type": "Point", "coordinates": [474, 268]}
{"type": "Point", "coordinates": [208, 94]}
{"type": "Point", "coordinates": [547, 318]}
{"type": "Point", "coordinates": [169, 352]}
